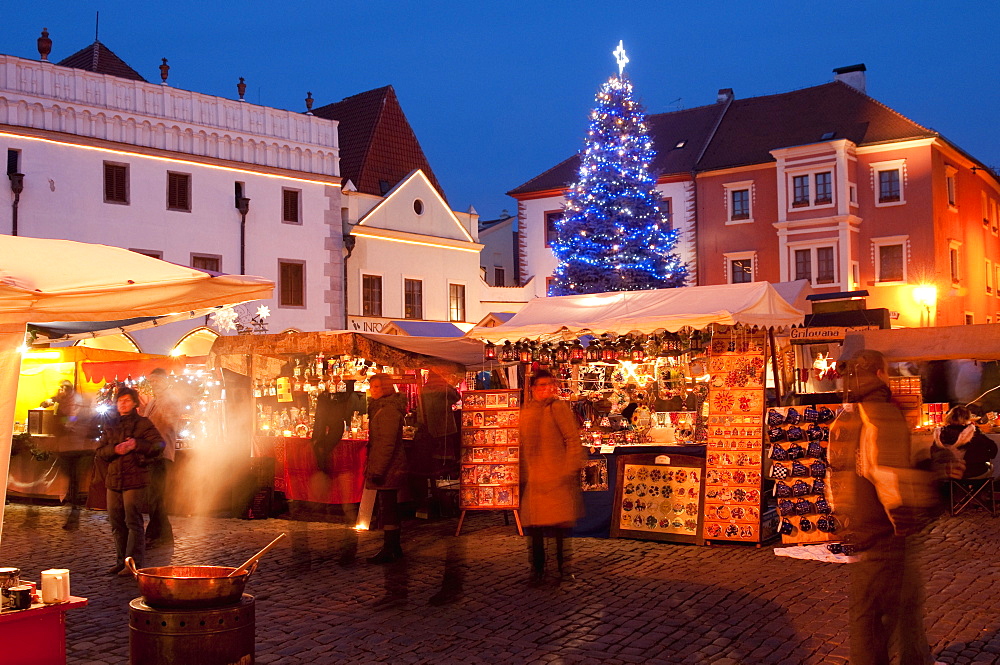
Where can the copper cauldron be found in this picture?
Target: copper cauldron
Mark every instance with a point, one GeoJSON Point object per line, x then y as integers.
{"type": "Point", "coordinates": [187, 587]}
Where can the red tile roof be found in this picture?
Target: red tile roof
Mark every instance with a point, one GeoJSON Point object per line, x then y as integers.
{"type": "Point", "coordinates": [754, 126]}
{"type": "Point", "coordinates": [692, 126]}
{"type": "Point", "coordinates": [100, 59]}
{"type": "Point", "coordinates": [377, 145]}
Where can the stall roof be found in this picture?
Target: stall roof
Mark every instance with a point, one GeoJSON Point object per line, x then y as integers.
{"type": "Point", "coordinates": [753, 304]}
{"type": "Point", "coordinates": [426, 328]}
{"type": "Point", "coordinates": [392, 350]}
{"type": "Point", "coordinates": [975, 342]}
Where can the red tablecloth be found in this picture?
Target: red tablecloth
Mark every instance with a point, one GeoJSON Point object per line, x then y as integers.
{"type": "Point", "coordinates": [296, 474]}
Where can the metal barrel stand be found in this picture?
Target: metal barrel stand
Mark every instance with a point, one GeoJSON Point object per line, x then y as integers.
{"type": "Point", "coordinates": [207, 636]}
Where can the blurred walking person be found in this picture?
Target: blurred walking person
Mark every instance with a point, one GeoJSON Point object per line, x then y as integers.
{"type": "Point", "coordinates": [165, 410]}
{"type": "Point", "coordinates": [386, 469]}
{"type": "Point", "coordinates": [73, 446]}
{"type": "Point", "coordinates": [885, 493]}
{"type": "Point", "coordinates": [551, 459]}
{"type": "Point", "coordinates": [127, 446]}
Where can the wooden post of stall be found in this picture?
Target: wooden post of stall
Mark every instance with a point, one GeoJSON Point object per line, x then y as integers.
{"type": "Point", "coordinates": [778, 392]}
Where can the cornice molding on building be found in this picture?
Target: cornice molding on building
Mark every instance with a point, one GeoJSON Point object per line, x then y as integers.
{"type": "Point", "coordinates": [818, 224]}
{"type": "Point", "coordinates": [415, 239]}
{"type": "Point", "coordinates": [888, 146]}
{"type": "Point", "coordinates": [113, 147]}
{"type": "Point", "coordinates": [736, 169]}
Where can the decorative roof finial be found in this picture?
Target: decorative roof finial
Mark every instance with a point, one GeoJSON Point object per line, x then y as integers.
{"type": "Point", "coordinates": [620, 56]}
{"type": "Point", "coordinates": [309, 103]}
{"type": "Point", "coordinates": [44, 44]}
{"type": "Point", "coordinates": [241, 88]}
{"type": "Point", "coordinates": [164, 71]}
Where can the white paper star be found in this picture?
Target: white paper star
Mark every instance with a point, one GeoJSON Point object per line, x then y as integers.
{"type": "Point", "coordinates": [263, 311]}
{"type": "Point", "coordinates": [224, 319]}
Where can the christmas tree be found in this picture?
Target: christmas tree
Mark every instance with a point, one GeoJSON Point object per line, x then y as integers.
{"type": "Point", "coordinates": [613, 235]}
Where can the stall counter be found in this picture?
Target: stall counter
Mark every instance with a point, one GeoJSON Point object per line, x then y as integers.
{"type": "Point", "coordinates": [37, 635]}
{"type": "Point", "coordinates": [297, 475]}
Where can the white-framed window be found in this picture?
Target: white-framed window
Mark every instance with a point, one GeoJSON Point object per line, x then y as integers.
{"type": "Point", "coordinates": [955, 261]}
{"type": "Point", "coordinates": [815, 262]}
{"type": "Point", "coordinates": [989, 277]}
{"type": "Point", "coordinates": [855, 275]}
{"type": "Point", "coordinates": [889, 255]}
{"type": "Point", "coordinates": [994, 216]}
{"type": "Point", "coordinates": [413, 299]}
{"type": "Point", "coordinates": [986, 208]}
{"type": "Point", "coordinates": [456, 302]}
{"type": "Point", "coordinates": [371, 295]}
{"type": "Point", "coordinates": [741, 267]}
{"type": "Point", "coordinates": [739, 202]}
{"type": "Point", "coordinates": [970, 318]}
{"type": "Point", "coordinates": [950, 185]}
{"type": "Point", "coordinates": [812, 189]}
{"type": "Point", "coordinates": [889, 182]}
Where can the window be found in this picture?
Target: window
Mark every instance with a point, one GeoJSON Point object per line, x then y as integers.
{"type": "Point", "coordinates": [456, 302]}
{"type": "Point", "coordinates": [888, 180]}
{"type": "Point", "coordinates": [116, 183]}
{"type": "Point", "coordinates": [890, 263]}
{"type": "Point", "coordinates": [824, 188]}
{"type": "Point", "coordinates": [179, 191]}
{"type": "Point", "coordinates": [291, 284]}
{"type": "Point", "coordinates": [989, 277]}
{"type": "Point", "coordinates": [816, 264]}
{"type": "Point", "coordinates": [800, 191]}
{"type": "Point", "coordinates": [741, 204]}
{"type": "Point", "coordinates": [151, 253]}
{"type": "Point", "coordinates": [997, 281]}
{"type": "Point", "coordinates": [740, 267]}
{"type": "Point", "coordinates": [499, 276]}
{"type": "Point", "coordinates": [667, 212]}
{"type": "Point", "coordinates": [551, 230]}
{"type": "Point", "coordinates": [239, 189]}
{"type": "Point", "coordinates": [550, 282]}
{"type": "Point", "coordinates": [13, 161]}
{"type": "Point", "coordinates": [211, 262]}
{"type": "Point", "coordinates": [889, 256]}
{"type": "Point", "coordinates": [418, 206]}
{"type": "Point", "coordinates": [290, 206]}
{"type": "Point", "coordinates": [888, 186]}
{"type": "Point", "coordinates": [413, 299]}
{"type": "Point", "coordinates": [954, 264]}
{"type": "Point", "coordinates": [970, 319]}
{"type": "Point", "coordinates": [986, 209]}
{"type": "Point", "coordinates": [803, 264]}
{"type": "Point", "coordinates": [950, 174]}
{"type": "Point", "coordinates": [371, 295]}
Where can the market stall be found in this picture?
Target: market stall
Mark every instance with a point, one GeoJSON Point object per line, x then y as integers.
{"type": "Point", "coordinates": [674, 372]}
{"type": "Point", "coordinates": [85, 282]}
{"type": "Point", "coordinates": [306, 407]}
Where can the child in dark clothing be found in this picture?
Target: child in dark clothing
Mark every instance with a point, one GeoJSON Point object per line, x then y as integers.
{"type": "Point", "coordinates": [961, 436]}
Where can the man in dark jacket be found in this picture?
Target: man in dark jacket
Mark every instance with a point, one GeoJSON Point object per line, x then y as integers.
{"type": "Point", "coordinates": [128, 446]}
{"type": "Point", "coordinates": [386, 469]}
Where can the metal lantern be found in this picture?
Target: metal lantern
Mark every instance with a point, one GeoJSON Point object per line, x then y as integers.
{"type": "Point", "coordinates": [508, 353]}
{"type": "Point", "coordinates": [561, 354]}
{"type": "Point", "coordinates": [544, 355]}
{"type": "Point", "coordinates": [609, 353]}
{"type": "Point", "coordinates": [490, 351]}
{"type": "Point", "coordinates": [638, 355]}
{"type": "Point", "coordinates": [577, 354]}
{"type": "Point", "coordinates": [524, 352]}
{"type": "Point", "coordinates": [594, 351]}
{"type": "Point", "coordinates": [624, 351]}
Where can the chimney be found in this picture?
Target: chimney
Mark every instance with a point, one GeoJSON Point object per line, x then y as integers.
{"type": "Point", "coordinates": [853, 76]}
{"type": "Point", "coordinates": [725, 95]}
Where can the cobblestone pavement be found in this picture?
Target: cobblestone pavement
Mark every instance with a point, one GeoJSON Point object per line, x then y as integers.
{"type": "Point", "coordinates": [631, 601]}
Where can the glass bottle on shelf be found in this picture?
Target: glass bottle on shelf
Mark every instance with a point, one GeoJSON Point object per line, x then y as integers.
{"type": "Point", "coordinates": [272, 388]}
{"type": "Point", "coordinates": [256, 388]}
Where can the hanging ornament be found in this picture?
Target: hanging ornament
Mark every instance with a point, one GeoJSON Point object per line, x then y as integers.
{"type": "Point", "coordinates": [524, 352]}
{"type": "Point", "coordinates": [508, 353]}
{"type": "Point", "coordinates": [594, 351]}
{"type": "Point", "coordinates": [638, 353]}
{"type": "Point", "coordinates": [544, 355]}
{"type": "Point", "coordinates": [561, 354]}
{"type": "Point", "coordinates": [490, 351]}
{"type": "Point", "coordinates": [577, 354]}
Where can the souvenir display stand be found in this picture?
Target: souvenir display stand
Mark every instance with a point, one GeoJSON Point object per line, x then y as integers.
{"type": "Point", "coordinates": [287, 376]}
{"type": "Point", "coordinates": [490, 453]}
{"type": "Point", "coordinates": [679, 372]}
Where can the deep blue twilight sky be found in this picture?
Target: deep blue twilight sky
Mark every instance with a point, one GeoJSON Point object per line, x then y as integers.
{"type": "Point", "coordinates": [497, 92]}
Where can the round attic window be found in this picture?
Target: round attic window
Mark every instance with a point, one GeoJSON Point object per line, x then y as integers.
{"type": "Point", "coordinates": [418, 206]}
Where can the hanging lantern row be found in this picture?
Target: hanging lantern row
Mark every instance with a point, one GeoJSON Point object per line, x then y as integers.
{"type": "Point", "coordinates": [606, 349]}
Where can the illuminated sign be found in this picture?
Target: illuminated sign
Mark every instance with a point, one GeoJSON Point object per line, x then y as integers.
{"type": "Point", "coordinates": [826, 333]}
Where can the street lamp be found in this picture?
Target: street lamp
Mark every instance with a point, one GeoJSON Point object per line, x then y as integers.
{"type": "Point", "coordinates": [926, 296]}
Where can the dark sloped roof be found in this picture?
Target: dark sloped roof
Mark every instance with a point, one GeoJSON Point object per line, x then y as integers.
{"type": "Point", "coordinates": [377, 145]}
{"type": "Point", "coordinates": [100, 59]}
{"type": "Point", "coordinates": [754, 126]}
{"type": "Point", "coordinates": [692, 126]}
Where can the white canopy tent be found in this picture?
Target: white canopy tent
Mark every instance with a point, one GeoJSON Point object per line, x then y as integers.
{"type": "Point", "coordinates": [645, 312]}
{"type": "Point", "coordinates": [44, 280]}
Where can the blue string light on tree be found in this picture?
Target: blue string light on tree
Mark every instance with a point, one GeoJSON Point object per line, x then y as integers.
{"type": "Point", "coordinates": [613, 235]}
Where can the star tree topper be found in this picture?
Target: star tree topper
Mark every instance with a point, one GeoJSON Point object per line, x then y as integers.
{"type": "Point", "coordinates": [620, 56]}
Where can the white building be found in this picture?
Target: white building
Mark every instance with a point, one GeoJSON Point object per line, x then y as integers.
{"type": "Point", "coordinates": [109, 158]}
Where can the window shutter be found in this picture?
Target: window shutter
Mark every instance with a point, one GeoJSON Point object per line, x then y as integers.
{"type": "Point", "coordinates": [178, 191]}
{"type": "Point", "coordinates": [290, 206]}
{"type": "Point", "coordinates": [116, 183]}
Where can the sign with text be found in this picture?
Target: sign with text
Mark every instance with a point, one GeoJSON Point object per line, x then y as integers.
{"type": "Point", "coordinates": [826, 333]}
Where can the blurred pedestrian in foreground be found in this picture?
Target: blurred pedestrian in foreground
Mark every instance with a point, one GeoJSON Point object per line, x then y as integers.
{"type": "Point", "coordinates": [73, 446]}
{"type": "Point", "coordinates": [128, 446]}
{"type": "Point", "coordinates": [385, 470]}
{"type": "Point", "coordinates": [885, 493]}
{"type": "Point", "coordinates": [551, 459]}
{"type": "Point", "coordinates": [165, 410]}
